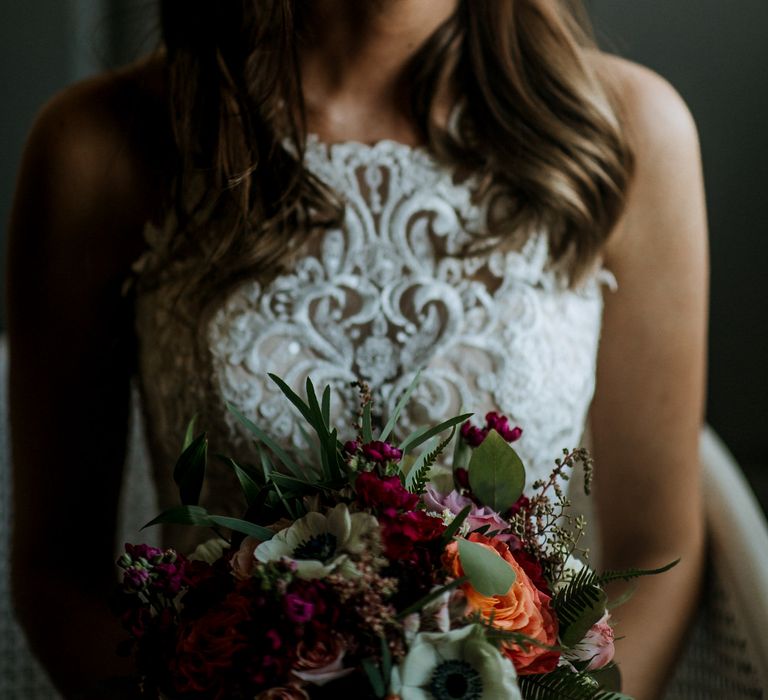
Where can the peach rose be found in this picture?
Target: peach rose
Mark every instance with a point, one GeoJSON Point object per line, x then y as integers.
{"type": "Point", "coordinates": [243, 561]}
{"type": "Point", "coordinates": [524, 609]}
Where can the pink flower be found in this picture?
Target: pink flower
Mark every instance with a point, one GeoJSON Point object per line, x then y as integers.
{"type": "Point", "coordinates": [478, 516]}
{"type": "Point", "coordinates": [500, 424]}
{"type": "Point", "coordinates": [297, 609]}
{"type": "Point", "coordinates": [322, 663]}
{"type": "Point", "coordinates": [596, 647]}
{"type": "Point", "coordinates": [474, 436]}
{"type": "Point", "coordinates": [378, 451]}
{"type": "Point", "coordinates": [243, 560]}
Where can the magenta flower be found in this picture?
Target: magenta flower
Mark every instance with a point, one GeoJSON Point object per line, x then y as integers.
{"type": "Point", "coordinates": [474, 436]}
{"type": "Point", "coordinates": [297, 609]}
{"type": "Point", "coordinates": [378, 451]}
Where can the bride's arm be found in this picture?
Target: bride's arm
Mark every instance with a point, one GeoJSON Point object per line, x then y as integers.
{"type": "Point", "coordinates": [650, 386]}
{"type": "Point", "coordinates": [76, 226]}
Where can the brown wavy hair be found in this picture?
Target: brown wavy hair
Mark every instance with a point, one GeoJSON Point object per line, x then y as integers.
{"type": "Point", "coordinates": [536, 119]}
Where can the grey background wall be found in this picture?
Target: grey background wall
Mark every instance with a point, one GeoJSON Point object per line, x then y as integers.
{"type": "Point", "coordinates": [714, 52]}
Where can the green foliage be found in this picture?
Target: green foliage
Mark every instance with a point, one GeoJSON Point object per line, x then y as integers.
{"type": "Point", "coordinates": [389, 427]}
{"type": "Point", "coordinates": [455, 525]}
{"type": "Point", "coordinates": [563, 684]}
{"type": "Point", "coordinates": [251, 488]}
{"type": "Point", "coordinates": [423, 434]}
{"type": "Point", "coordinates": [488, 573]}
{"type": "Point", "coordinates": [375, 677]}
{"type": "Point", "coordinates": [418, 476]}
{"type": "Point", "coordinates": [189, 471]}
{"type": "Point", "coordinates": [366, 429]}
{"type": "Point", "coordinates": [579, 605]}
{"type": "Point", "coordinates": [432, 595]}
{"type": "Point", "coordinates": [496, 473]}
{"type": "Point", "coordinates": [200, 517]}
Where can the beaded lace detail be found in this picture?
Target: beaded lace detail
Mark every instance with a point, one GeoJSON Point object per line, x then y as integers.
{"type": "Point", "coordinates": [407, 282]}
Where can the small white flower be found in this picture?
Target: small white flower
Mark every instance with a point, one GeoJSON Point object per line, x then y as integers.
{"type": "Point", "coordinates": [320, 544]}
{"type": "Point", "coordinates": [458, 665]}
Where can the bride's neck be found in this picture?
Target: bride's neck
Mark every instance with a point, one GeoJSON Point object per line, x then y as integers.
{"type": "Point", "coordinates": [354, 58]}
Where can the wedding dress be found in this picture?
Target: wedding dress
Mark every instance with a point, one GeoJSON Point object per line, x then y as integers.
{"type": "Point", "coordinates": [408, 281]}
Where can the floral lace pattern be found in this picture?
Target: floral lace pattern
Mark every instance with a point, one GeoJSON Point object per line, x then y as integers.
{"type": "Point", "coordinates": [402, 285]}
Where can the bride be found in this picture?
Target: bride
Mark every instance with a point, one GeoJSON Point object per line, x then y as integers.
{"type": "Point", "coordinates": [352, 191]}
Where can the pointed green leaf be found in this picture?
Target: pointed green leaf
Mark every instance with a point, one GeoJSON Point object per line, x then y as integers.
{"type": "Point", "coordinates": [293, 397]}
{"type": "Point", "coordinates": [488, 573]}
{"type": "Point", "coordinates": [189, 471]}
{"type": "Point", "coordinates": [190, 434]}
{"type": "Point", "coordinates": [264, 437]}
{"type": "Point", "coordinates": [378, 685]}
{"type": "Point", "coordinates": [250, 487]}
{"type": "Point", "coordinates": [496, 473]}
{"type": "Point", "coordinates": [421, 436]}
{"type": "Point", "coordinates": [181, 515]}
{"type": "Point", "coordinates": [432, 595]}
{"type": "Point", "coordinates": [455, 525]}
{"type": "Point", "coordinates": [399, 408]}
{"type": "Point", "coordinates": [326, 406]}
{"type": "Point", "coordinates": [243, 526]}
{"type": "Point", "coordinates": [316, 421]}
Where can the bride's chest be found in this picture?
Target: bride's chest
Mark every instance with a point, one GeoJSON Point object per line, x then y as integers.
{"type": "Point", "coordinates": [395, 289]}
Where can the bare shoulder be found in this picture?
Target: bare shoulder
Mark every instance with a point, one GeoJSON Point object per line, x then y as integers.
{"type": "Point", "coordinates": [667, 181]}
{"type": "Point", "coordinates": [654, 113]}
{"type": "Point", "coordinates": [93, 173]}
{"type": "Point", "coordinates": [105, 137]}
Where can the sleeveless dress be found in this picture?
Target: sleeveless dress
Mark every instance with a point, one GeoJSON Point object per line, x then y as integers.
{"type": "Point", "coordinates": [408, 282]}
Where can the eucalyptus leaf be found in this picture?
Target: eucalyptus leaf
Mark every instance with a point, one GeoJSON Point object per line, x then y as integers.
{"type": "Point", "coordinates": [496, 473]}
{"type": "Point", "coordinates": [189, 471]}
{"type": "Point", "coordinates": [489, 574]}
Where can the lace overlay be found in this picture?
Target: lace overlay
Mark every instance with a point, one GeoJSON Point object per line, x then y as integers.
{"type": "Point", "coordinates": [405, 283]}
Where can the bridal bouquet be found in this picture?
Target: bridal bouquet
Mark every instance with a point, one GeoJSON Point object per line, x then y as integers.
{"type": "Point", "coordinates": [366, 568]}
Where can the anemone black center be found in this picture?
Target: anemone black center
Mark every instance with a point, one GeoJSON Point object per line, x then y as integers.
{"type": "Point", "coordinates": [319, 547]}
{"type": "Point", "coordinates": [456, 680]}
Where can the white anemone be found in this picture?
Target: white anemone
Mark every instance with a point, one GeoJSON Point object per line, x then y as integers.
{"type": "Point", "coordinates": [320, 544]}
{"type": "Point", "coordinates": [458, 665]}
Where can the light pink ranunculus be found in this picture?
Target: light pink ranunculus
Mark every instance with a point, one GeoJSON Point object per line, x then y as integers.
{"type": "Point", "coordinates": [596, 647]}
{"type": "Point", "coordinates": [454, 502]}
{"type": "Point", "coordinates": [243, 560]}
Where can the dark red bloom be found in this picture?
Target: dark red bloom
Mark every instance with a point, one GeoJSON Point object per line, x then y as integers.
{"type": "Point", "coordinates": [382, 492]}
{"type": "Point", "coordinates": [403, 533]}
{"type": "Point", "coordinates": [381, 452]}
{"type": "Point", "coordinates": [474, 436]}
{"type": "Point", "coordinates": [533, 569]}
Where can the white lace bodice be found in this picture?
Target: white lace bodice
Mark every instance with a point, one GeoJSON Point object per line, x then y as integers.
{"type": "Point", "coordinates": [391, 291]}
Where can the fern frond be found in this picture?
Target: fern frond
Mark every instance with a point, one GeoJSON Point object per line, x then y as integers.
{"type": "Point", "coordinates": [563, 684]}
{"type": "Point", "coordinates": [579, 605]}
{"type": "Point", "coordinates": [418, 483]}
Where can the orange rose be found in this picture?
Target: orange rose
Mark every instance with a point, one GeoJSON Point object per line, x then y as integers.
{"type": "Point", "coordinates": [524, 609]}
